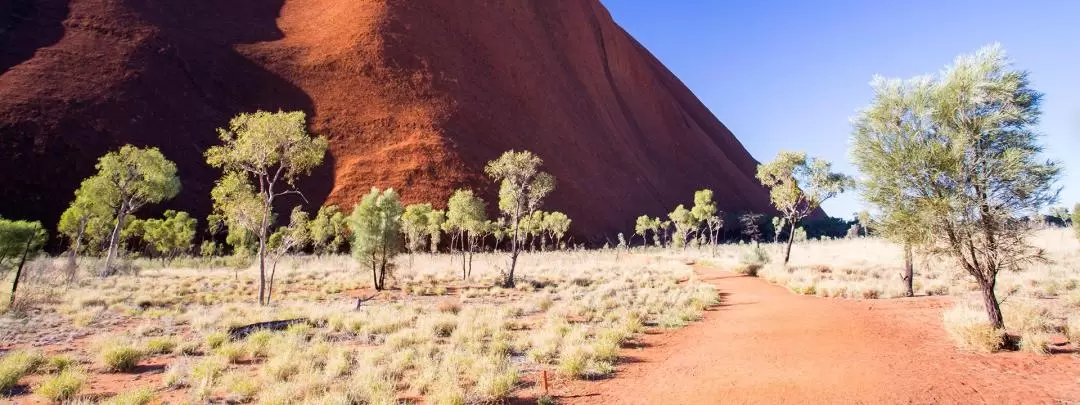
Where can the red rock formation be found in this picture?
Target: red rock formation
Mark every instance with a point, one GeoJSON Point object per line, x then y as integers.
{"type": "Point", "coordinates": [413, 95]}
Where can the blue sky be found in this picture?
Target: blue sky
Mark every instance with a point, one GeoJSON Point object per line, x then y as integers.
{"type": "Point", "coordinates": [790, 75]}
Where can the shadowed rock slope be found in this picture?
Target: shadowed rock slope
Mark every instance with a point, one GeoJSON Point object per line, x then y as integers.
{"type": "Point", "coordinates": [413, 95]}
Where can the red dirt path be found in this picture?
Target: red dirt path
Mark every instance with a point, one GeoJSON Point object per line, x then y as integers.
{"type": "Point", "coordinates": [765, 345]}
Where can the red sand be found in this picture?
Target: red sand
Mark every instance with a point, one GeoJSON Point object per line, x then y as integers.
{"type": "Point", "coordinates": [416, 95]}
{"type": "Point", "coordinates": [765, 345]}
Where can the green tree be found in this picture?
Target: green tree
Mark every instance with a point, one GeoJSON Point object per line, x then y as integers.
{"type": "Point", "coordinates": [19, 239]}
{"type": "Point", "coordinates": [167, 237]}
{"type": "Point", "coordinates": [642, 226]}
{"type": "Point", "coordinates": [798, 185]}
{"type": "Point", "coordinates": [684, 224]}
{"type": "Point", "coordinates": [261, 154]}
{"type": "Point", "coordinates": [415, 224]}
{"type": "Point", "coordinates": [435, 221]}
{"type": "Point", "coordinates": [556, 224]}
{"type": "Point", "coordinates": [126, 180]}
{"type": "Point", "coordinates": [329, 232]}
{"type": "Point", "coordinates": [86, 219]}
{"type": "Point", "coordinates": [376, 229]}
{"type": "Point", "coordinates": [958, 154]}
{"type": "Point", "coordinates": [290, 238]}
{"type": "Point", "coordinates": [465, 217]}
{"type": "Point", "coordinates": [522, 188]}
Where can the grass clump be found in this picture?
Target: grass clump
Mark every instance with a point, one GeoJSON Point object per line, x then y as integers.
{"type": "Point", "coordinates": [15, 365]}
{"type": "Point", "coordinates": [752, 261]}
{"type": "Point", "coordinates": [138, 396]}
{"type": "Point", "coordinates": [970, 329]}
{"type": "Point", "coordinates": [121, 357]}
{"type": "Point", "coordinates": [160, 345]}
{"type": "Point", "coordinates": [61, 387]}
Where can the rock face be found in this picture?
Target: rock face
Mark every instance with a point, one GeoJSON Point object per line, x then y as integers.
{"type": "Point", "coordinates": [415, 95]}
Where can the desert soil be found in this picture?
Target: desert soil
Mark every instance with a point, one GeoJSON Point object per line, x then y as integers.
{"type": "Point", "coordinates": [765, 345]}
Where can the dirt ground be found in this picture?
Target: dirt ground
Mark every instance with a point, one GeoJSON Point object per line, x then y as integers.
{"type": "Point", "coordinates": [765, 345]}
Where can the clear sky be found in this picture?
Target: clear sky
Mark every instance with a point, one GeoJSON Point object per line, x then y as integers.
{"type": "Point", "coordinates": [790, 75]}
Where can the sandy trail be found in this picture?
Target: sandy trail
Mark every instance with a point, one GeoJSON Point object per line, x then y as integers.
{"type": "Point", "coordinates": [765, 345]}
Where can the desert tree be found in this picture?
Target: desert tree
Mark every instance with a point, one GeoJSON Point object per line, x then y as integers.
{"type": "Point", "coordinates": [522, 188]}
{"type": "Point", "coordinates": [750, 227]}
{"type": "Point", "coordinates": [376, 230]}
{"type": "Point", "coordinates": [798, 185]}
{"type": "Point", "coordinates": [684, 223]}
{"type": "Point", "coordinates": [86, 219]}
{"type": "Point", "coordinates": [329, 233]}
{"type": "Point", "coordinates": [863, 218]}
{"type": "Point", "coordinates": [262, 154]}
{"type": "Point", "coordinates": [414, 222]}
{"type": "Point", "coordinates": [642, 226]}
{"type": "Point", "coordinates": [126, 180]}
{"type": "Point", "coordinates": [958, 153]}
{"type": "Point", "coordinates": [286, 239]}
{"type": "Point", "coordinates": [169, 236]}
{"type": "Point", "coordinates": [497, 229]}
{"type": "Point", "coordinates": [555, 226]}
{"type": "Point", "coordinates": [19, 240]}
{"type": "Point", "coordinates": [705, 213]}
{"type": "Point", "coordinates": [465, 217]}
{"type": "Point", "coordinates": [435, 221]}
{"type": "Point", "coordinates": [778, 224]}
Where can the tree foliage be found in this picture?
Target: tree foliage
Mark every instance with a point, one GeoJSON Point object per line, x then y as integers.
{"type": "Point", "coordinates": [798, 185]}
{"type": "Point", "coordinates": [329, 232]}
{"type": "Point", "coordinates": [166, 237]}
{"type": "Point", "coordinates": [684, 223]}
{"type": "Point", "coordinates": [415, 224]}
{"type": "Point", "coordinates": [956, 155]}
{"type": "Point", "coordinates": [466, 219]}
{"type": "Point", "coordinates": [289, 238]}
{"type": "Point", "coordinates": [262, 154]}
{"type": "Point", "coordinates": [126, 180]}
{"type": "Point", "coordinates": [522, 188]}
{"type": "Point", "coordinates": [375, 224]}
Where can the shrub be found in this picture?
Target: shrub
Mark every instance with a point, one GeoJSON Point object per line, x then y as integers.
{"type": "Point", "coordinates": [231, 352]}
{"type": "Point", "coordinates": [138, 396]}
{"type": "Point", "coordinates": [216, 339]}
{"type": "Point", "coordinates": [1035, 342]}
{"type": "Point", "coordinates": [119, 357]}
{"type": "Point", "coordinates": [241, 387]}
{"type": "Point", "coordinates": [752, 261]}
{"type": "Point", "coordinates": [61, 387]}
{"type": "Point", "coordinates": [970, 329]}
{"type": "Point", "coordinates": [1072, 328]}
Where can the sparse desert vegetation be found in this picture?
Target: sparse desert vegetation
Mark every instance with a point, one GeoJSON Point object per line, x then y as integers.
{"type": "Point", "coordinates": [434, 337]}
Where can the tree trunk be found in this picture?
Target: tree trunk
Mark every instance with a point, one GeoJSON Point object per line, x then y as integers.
{"type": "Point", "coordinates": [114, 240]}
{"type": "Point", "coordinates": [790, 240]}
{"type": "Point", "coordinates": [72, 265]}
{"type": "Point", "coordinates": [18, 272]}
{"type": "Point", "coordinates": [375, 274]}
{"type": "Point", "coordinates": [909, 271]}
{"type": "Point", "coordinates": [509, 282]}
{"type": "Point", "coordinates": [993, 308]}
{"type": "Point", "coordinates": [262, 266]}
{"type": "Point", "coordinates": [270, 287]}
{"type": "Point", "coordinates": [463, 253]}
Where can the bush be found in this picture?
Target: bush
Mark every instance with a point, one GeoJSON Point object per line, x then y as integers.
{"type": "Point", "coordinates": [752, 261]}
{"type": "Point", "coordinates": [970, 329]}
{"type": "Point", "coordinates": [120, 357]}
{"type": "Point", "coordinates": [1072, 328]}
{"type": "Point", "coordinates": [61, 387]}
{"type": "Point", "coordinates": [160, 345]}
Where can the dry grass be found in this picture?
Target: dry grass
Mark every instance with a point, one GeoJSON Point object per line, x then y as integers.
{"type": "Point", "coordinates": [433, 336]}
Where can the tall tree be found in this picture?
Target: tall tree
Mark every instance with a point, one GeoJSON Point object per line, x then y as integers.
{"type": "Point", "coordinates": [465, 216]}
{"type": "Point", "coordinates": [798, 185]}
{"type": "Point", "coordinates": [684, 224]}
{"type": "Point", "coordinates": [522, 188]}
{"type": "Point", "coordinates": [262, 155]}
{"type": "Point", "coordinates": [126, 180]}
{"type": "Point", "coordinates": [642, 226]}
{"type": "Point", "coordinates": [376, 229]}
{"type": "Point", "coordinates": [957, 154]}
{"type": "Point", "coordinates": [19, 239]}
{"type": "Point", "coordinates": [435, 221]}
{"type": "Point", "coordinates": [415, 224]}
{"type": "Point", "coordinates": [556, 224]}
